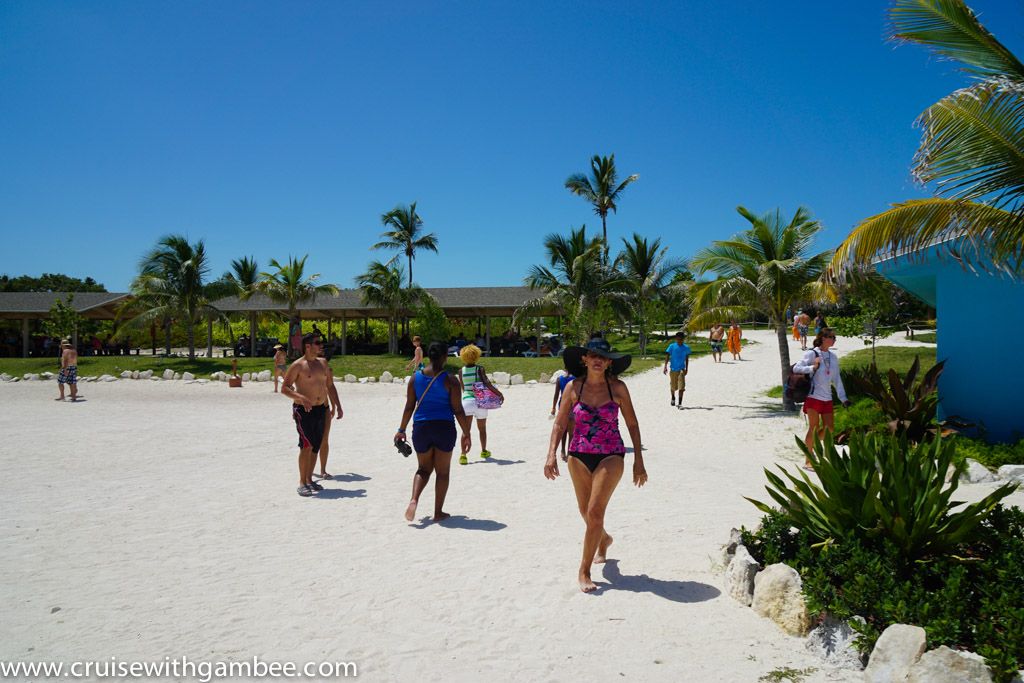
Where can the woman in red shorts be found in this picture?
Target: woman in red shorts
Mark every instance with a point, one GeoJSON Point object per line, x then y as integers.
{"type": "Point", "coordinates": [823, 367]}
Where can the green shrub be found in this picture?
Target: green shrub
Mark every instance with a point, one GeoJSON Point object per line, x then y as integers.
{"type": "Point", "coordinates": [881, 488]}
{"type": "Point", "coordinates": [862, 416]}
{"type": "Point", "coordinates": [972, 598]}
{"type": "Point", "coordinates": [993, 455]}
{"type": "Point", "coordinates": [853, 326]}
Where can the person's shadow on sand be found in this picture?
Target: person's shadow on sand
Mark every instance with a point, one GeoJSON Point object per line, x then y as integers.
{"type": "Point", "coordinates": [462, 522]}
{"type": "Point", "coordinates": [334, 494]}
{"type": "Point", "coordinates": [676, 591]}
{"type": "Point", "coordinates": [499, 461]}
{"type": "Point", "coordinates": [350, 477]}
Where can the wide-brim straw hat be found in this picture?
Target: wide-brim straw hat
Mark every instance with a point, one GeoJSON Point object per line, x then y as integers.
{"type": "Point", "coordinates": [278, 346]}
{"type": "Point", "coordinates": [573, 357]}
{"type": "Point", "coordinates": [65, 342]}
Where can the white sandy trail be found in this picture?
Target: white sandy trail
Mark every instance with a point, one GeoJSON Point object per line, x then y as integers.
{"type": "Point", "coordinates": [162, 520]}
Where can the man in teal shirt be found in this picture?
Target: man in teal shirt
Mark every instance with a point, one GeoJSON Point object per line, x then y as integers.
{"type": "Point", "coordinates": [677, 356]}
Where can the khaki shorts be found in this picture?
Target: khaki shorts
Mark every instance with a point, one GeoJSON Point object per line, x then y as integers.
{"type": "Point", "coordinates": [677, 380]}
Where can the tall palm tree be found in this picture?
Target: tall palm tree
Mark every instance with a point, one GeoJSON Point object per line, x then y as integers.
{"type": "Point", "coordinates": [648, 272]}
{"type": "Point", "coordinates": [972, 147]}
{"type": "Point", "coordinates": [601, 189]}
{"type": "Point", "coordinates": [289, 285]}
{"type": "Point", "coordinates": [381, 286]}
{"type": "Point", "coordinates": [764, 270]}
{"type": "Point", "coordinates": [575, 280]}
{"type": "Point", "coordinates": [241, 281]}
{"type": "Point", "coordinates": [170, 286]}
{"type": "Point", "coordinates": [404, 233]}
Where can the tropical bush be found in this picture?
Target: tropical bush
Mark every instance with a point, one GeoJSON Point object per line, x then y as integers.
{"type": "Point", "coordinates": [881, 488]}
{"type": "Point", "coordinates": [972, 598]}
{"type": "Point", "coordinates": [992, 455]}
{"type": "Point", "coordinates": [853, 326]}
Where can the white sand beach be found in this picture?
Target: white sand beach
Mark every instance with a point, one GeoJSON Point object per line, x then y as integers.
{"type": "Point", "coordinates": [161, 519]}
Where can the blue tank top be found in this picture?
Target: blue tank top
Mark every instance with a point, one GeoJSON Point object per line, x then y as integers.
{"type": "Point", "coordinates": [437, 404]}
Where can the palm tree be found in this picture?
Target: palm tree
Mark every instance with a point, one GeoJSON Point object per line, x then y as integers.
{"type": "Point", "coordinates": [170, 286]}
{"type": "Point", "coordinates": [241, 281]}
{"type": "Point", "coordinates": [762, 270]}
{"type": "Point", "coordinates": [600, 189]}
{"type": "Point", "coordinates": [575, 281]}
{"type": "Point", "coordinates": [972, 147]}
{"type": "Point", "coordinates": [648, 272]}
{"type": "Point", "coordinates": [404, 233]}
{"type": "Point", "coordinates": [289, 285]}
{"type": "Point", "coordinates": [381, 286]}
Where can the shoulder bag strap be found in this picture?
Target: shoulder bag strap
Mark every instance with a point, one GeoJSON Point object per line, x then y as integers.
{"type": "Point", "coordinates": [424, 395]}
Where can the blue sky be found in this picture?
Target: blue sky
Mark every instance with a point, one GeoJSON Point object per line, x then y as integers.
{"type": "Point", "coordinates": [277, 128]}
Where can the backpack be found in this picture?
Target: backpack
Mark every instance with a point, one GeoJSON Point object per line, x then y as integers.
{"type": "Point", "coordinates": [799, 386]}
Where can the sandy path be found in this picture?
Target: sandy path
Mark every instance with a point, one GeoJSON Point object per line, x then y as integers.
{"type": "Point", "coordinates": [162, 520]}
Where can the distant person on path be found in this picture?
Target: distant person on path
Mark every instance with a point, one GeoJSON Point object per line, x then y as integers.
{"type": "Point", "coordinates": [468, 375]}
{"type": "Point", "coordinates": [280, 363]}
{"type": "Point", "coordinates": [295, 336]}
{"type": "Point", "coordinates": [715, 337]}
{"type": "Point", "coordinates": [307, 383]}
{"type": "Point", "coordinates": [819, 323]}
{"type": "Point", "coordinates": [68, 370]}
{"type": "Point", "coordinates": [803, 322]}
{"type": "Point", "coordinates": [823, 366]}
{"type": "Point", "coordinates": [596, 452]}
{"type": "Point", "coordinates": [417, 355]}
{"type": "Point", "coordinates": [435, 399]}
{"type": "Point", "coordinates": [334, 410]}
{"type": "Point", "coordinates": [677, 357]}
{"type": "Point", "coordinates": [556, 402]}
{"type": "Point", "coordinates": [734, 341]}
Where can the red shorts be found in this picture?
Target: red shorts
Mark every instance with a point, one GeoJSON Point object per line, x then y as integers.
{"type": "Point", "coordinates": [818, 406]}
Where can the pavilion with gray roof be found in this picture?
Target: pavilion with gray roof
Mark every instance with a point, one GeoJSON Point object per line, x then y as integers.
{"type": "Point", "coordinates": [483, 303]}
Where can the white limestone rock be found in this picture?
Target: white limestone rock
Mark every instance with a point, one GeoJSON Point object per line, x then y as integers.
{"type": "Point", "coordinates": [943, 665]}
{"type": "Point", "coordinates": [47, 375]}
{"type": "Point", "coordinates": [364, 380]}
{"type": "Point", "coordinates": [168, 374]}
{"type": "Point", "coordinates": [558, 373]}
{"type": "Point", "coordinates": [832, 641]}
{"type": "Point", "coordinates": [386, 377]}
{"type": "Point", "coordinates": [31, 377]}
{"type": "Point", "coordinates": [145, 374]}
{"type": "Point", "coordinates": [729, 549]}
{"type": "Point", "coordinates": [127, 374]}
{"type": "Point", "coordinates": [739, 576]}
{"type": "Point", "coordinates": [531, 382]}
{"type": "Point", "coordinates": [371, 380]}
{"type": "Point", "coordinates": [187, 376]}
{"type": "Point", "coordinates": [266, 376]}
{"type": "Point", "coordinates": [107, 378]}
{"type": "Point", "coordinates": [500, 377]}
{"type": "Point", "coordinates": [135, 374]}
{"type": "Point", "coordinates": [398, 380]}
{"type": "Point", "coordinates": [778, 596]}
{"type": "Point", "coordinates": [1011, 473]}
{"type": "Point", "coordinates": [202, 381]}
{"type": "Point", "coordinates": [544, 378]}
{"type": "Point", "coordinates": [976, 473]}
{"type": "Point", "coordinates": [351, 379]}
{"type": "Point", "coordinates": [898, 648]}
{"type": "Point", "coordinates": [177, 375]}
{"type": "Point", "coordinates": [245, 377]}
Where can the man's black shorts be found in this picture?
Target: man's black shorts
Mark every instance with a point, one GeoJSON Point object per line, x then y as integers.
{"type": "Point", "coordinates": [310, 425]}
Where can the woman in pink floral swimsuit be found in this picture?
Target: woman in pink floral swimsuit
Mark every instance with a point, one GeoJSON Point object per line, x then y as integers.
{"type": "Point", "coordinates": [596, 451]}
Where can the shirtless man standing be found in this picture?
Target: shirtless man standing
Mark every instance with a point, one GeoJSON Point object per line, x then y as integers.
{"type": "Point", "coordinates": [68, 370]}
{"type": "Point", "coordinates": [715, 337]}
{"type": "Point", "coordinates": [307, 383]}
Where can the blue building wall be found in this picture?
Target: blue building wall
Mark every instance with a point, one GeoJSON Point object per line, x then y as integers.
{"type": "Point", "coordinates": [980, 336]}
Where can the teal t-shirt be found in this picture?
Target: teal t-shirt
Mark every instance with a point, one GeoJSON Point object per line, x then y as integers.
{"type": "Point", "coordinates": [678, 355]}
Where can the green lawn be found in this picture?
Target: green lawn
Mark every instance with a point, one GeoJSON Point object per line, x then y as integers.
{"type": "Point", "coordinates": [927, 337]}
{"type": "Point", "coordinates": [898, 357]}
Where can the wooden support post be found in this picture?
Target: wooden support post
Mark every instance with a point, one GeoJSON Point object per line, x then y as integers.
{"type": "Point", "coordinates": [209, 337]}
{"type": "Point", "coordinates": [344, 333]}
{"type": "Point", "coordinates": [252, 334]}
{"type": "Point", "coordinates": [24, 337]}
{"type": "Point", "coordinates": [487, 327]}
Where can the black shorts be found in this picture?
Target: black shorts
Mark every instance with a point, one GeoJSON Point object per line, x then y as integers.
{"type": "Point", "coordinates": [439, 434]}
{"type": "Point", "coordinates": [310, 425]}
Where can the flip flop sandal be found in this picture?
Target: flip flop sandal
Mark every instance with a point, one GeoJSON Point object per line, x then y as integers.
{"type": "Point", "coordinates": [316, 487]}
{"type": "Point", "coordinates": [304, 491]}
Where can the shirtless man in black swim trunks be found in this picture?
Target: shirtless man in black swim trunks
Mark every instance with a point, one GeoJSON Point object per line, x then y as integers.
{"type": "Point", "coordinates": [307, 383]}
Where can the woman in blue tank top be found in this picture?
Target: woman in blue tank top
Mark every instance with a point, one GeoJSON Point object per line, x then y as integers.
{"type": "Point", "coordinates": [433, 401]}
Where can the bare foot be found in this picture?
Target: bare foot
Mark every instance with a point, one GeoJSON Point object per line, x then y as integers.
{"type": "Point", "coordinates": [586, 585]}
{"type": "Point", "coordinates": [441, 516]}
{"type": "Point", "coordinates": [410, 511]}
{"type": "Point", "coordinates": [602, 550]}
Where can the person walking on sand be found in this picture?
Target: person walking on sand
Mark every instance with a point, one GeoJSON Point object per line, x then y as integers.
{"type": "Point", "coordinates": [734, 340]}
{"type": "Point", "coordinates": [417, 354]}
{"type": "Point", "coordinates": [280, 363]}
{"type": "Point", "coordinates": [334, 410]}
{"type": "Point", "coordinates": [469, 375]}
{"type": "Point", "coordinates": [715, 338]}
{"type": "Point", "coordinates": [676, 361]}
{"type": "Point", "coordinates": [434, 402]}
{"type": "Point", "coordinates": [802, 325]}
{"type": "Point", "coordinates": [822, 364]}
{"type": "Point", "coordinates": [596, 451]}
{"type": "Point", "coordinates": [68, 370]}
{"type": "Point", "coordinates": [556, 402]}
{"type": "Point", "coordinates": [307, 383]}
